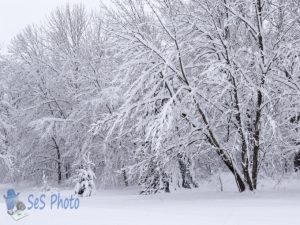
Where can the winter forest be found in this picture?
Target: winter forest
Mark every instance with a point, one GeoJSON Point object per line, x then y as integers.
{"type": "Point", "coordinates": [162, 95]}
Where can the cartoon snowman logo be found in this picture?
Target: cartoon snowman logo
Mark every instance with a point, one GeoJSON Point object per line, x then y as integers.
{"type": "Point", "coordinates": [12, 202]}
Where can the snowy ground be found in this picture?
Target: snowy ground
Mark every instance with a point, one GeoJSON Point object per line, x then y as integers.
{"type": "Point", "coordinates": [274, 205]}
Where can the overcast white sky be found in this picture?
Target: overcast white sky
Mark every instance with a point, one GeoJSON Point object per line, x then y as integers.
{"type": "Point", "coordinates": [16, 14]}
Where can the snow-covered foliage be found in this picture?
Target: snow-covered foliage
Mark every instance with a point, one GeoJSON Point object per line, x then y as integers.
{"type": "Point", "coordinates": [162, 94]}
{"type": "Point", "coordinates": [85, 177]}
{"type": "Point", "coordinates": [7, 113]}
{"type": "Point", "coordinates": [206, 76]}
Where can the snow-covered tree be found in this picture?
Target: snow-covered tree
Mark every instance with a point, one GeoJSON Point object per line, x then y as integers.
{"type": "Point", "coordinates": [63, 64]}
{"type": "Point", "coordinates": [85, 177]}
{"type": "Point", "coordinates": [7, 127]}
{"type": "Point", "coordinates": [161, 93]}
{"type": "Point", "coordinates": [205, 76]}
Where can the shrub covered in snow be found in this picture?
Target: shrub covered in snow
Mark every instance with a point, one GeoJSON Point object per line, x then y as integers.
{"type": "Point", "coordinates": [85, 177]}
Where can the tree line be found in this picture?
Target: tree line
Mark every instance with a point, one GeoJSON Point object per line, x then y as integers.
{"type": "Point", "coordinates": [159, 93]}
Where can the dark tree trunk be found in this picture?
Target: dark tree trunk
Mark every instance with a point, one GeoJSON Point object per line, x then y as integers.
{"type": "Point", "coordinates": [58, 155]}
{"type": "Point", "coordinates": [256, 141]}
{"type": "Point", "coordinates": [68, 170]}
{"type": "Point", "coordinates": [224, 157]}
{"type": "Point", "coordinates": [256, 148]}
{"type": "Point", "coordinates": [297, 162]}
{"type": "Point", "coordinates": [184, 166]}
{"type": "Point", "coordinates": [125, 178]}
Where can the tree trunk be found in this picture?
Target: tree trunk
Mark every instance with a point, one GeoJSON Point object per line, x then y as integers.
{"type": "Point", "coordinates": [125, 178]}
{"type": "Point", "coordinates": [297, 162]}
{"type": "Point", "coordinates": [184, 166]}
{"type": "Point", "coordinates": [259, 97]}
{"type": "Point", "coordinates": [68, 171]}
{"type": "Point", "coordinates": [58, 155]}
